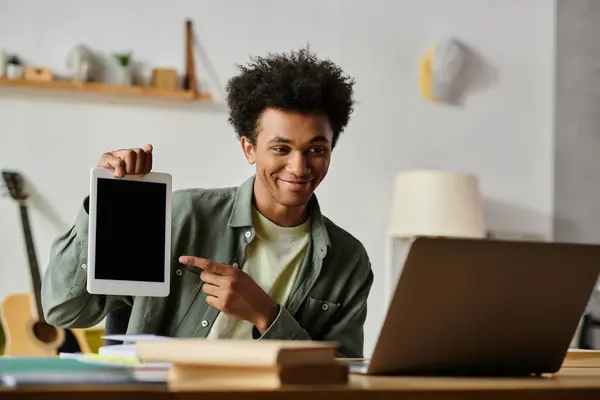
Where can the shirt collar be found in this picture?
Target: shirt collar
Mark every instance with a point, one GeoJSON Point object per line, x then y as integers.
{"type": "Point", "coordinates": [241, 216]}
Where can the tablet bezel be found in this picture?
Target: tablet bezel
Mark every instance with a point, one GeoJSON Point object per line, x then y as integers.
{"type": "Point", "coordinates": [126, 287]}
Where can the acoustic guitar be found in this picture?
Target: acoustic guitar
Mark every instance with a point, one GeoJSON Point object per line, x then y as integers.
{"type": "Point", "coordinates": [21, 315]}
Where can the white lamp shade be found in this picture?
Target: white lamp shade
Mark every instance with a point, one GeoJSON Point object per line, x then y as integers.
{"type": "Point", "coordinates": [437, 203]}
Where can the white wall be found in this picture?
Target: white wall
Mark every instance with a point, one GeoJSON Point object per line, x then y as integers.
{"type": "Point", "coordinates": [503, 131]}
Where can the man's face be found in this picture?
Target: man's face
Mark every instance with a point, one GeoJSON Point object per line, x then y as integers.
{"type": "Point", "coordinates": [292, 154]}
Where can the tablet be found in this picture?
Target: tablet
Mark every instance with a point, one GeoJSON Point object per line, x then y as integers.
{"type": "Point", "coordinates": [129, 237]}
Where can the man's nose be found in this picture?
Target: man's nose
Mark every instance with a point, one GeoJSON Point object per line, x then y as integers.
{"type": "Point", "coordinates": [298, 165]}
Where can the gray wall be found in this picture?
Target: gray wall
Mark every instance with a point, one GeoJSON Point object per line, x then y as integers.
{"type": "Point", "coordinates": [577, 127]}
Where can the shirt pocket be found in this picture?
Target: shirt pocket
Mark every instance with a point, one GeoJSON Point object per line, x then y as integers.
{"type": "Point", "coordinates": [183, 296]}
{"type": "Point", "coordinates": [317, 316]}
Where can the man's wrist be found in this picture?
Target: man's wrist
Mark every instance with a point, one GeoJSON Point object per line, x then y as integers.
{"type": "Point", "coordinates": [266, 319]}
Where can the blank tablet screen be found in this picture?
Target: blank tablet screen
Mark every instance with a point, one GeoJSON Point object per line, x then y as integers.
{"type": "Point", "coordinates": [130, 230]}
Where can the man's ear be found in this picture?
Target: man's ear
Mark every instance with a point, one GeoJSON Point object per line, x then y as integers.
{"type": "Point", "coordinates": [248, 149]}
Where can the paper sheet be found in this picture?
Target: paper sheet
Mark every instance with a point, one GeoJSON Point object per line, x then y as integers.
{"type": "Point", "coordinates": [134, 338]}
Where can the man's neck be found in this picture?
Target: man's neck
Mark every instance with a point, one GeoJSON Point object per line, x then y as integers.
{"type": "Point", "coordinates": [275, 212]}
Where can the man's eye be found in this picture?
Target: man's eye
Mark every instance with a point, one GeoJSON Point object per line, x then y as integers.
{"type": "Point", "coordinates": [280, 149]}
{"type": "Point", "coordinates": [318, 150]}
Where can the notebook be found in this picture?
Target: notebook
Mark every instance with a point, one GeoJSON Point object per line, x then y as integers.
{"type": "Point", "coordinates": [19, 371]}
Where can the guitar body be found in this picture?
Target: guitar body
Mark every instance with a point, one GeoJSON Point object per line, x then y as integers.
{"type": "Point", "coordinates": [25, 335]}
{"type": "Point", "coordinates": [21, 315]}
{"type": "Point", "coordinates": [20, 329]}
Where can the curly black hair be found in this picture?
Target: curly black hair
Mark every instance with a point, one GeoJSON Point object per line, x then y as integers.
{"type": "Point", "coordinates": [295, 81]}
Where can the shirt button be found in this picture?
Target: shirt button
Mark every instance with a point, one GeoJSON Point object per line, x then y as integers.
{"type": "Point", "coordinates": [83, 266]}
{"type": "Point", "coordinates": [204, 323]}
{"type": "Point", "coordinates": [248, 234]}
{"type": "Point", "coordinates": [178, 272]}
{"type": "Point", "coordinates": [324, 307]}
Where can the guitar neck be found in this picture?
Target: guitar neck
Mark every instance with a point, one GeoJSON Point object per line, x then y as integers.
{"type": "Point", "coordinates": [34, 270]}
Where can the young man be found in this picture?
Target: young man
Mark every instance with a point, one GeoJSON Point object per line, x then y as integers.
{"type": "Point", "coordinates": [255, 262]}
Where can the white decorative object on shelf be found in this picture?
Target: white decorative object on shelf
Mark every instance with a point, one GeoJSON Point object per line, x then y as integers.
{"type": "Point", "coordinates": [120, 71]}
{"type": "Point", "coordinates": [84, 64]}
{"type": "Point", "coordinates": [14, 68]}
{"type": "Point", "coordinates": [430, 203]}
{"type": "Point", "coordinates": [121, 75]}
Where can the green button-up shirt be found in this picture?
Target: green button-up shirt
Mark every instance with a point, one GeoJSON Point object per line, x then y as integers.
{"type": "Point", "coordinates": [328, 301]}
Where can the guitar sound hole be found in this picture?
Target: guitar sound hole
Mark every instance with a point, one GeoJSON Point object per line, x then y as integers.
{"type": "Point", "coordinates": [45, 332]}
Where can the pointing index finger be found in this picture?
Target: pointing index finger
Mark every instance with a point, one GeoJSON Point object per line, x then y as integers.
{"type": "Point", "coordinates": [207, 265]}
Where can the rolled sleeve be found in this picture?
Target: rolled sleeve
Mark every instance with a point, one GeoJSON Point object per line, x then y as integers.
{"type": "Point", "coordinates": [284, 327]}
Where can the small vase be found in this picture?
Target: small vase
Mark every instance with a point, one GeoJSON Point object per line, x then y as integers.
{"type": "Point", "coordinates": [123, 76]}
{"type": "Point", "coordinates": [14, 71]}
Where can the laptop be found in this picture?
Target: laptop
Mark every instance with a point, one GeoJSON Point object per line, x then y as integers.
{"type": "Point", "coordinates": [484, 307]}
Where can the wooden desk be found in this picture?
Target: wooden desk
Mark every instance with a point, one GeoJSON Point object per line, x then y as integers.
{"type": "Point", "coordinates": [580, 383]}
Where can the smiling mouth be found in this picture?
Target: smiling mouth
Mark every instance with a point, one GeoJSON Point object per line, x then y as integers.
{"type": "Point", "coordinates": [297, 185]}
{"type": "Point", "coordinates": [296, 182]}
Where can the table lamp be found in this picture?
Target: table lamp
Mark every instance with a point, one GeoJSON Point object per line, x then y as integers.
{"type": "Point", "coordinates": [431, 203]}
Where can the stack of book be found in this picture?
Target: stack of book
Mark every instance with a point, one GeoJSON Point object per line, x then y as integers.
{"type": "Point", "coordinates": [201, 363]}
{"type": "Point", "coordinates": [580, 358]}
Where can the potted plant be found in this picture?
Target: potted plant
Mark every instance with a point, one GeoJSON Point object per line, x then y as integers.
{"type": "Point", "coordinates": [14, 68]}
{"type": "Point", "coordinates": [123, 73]}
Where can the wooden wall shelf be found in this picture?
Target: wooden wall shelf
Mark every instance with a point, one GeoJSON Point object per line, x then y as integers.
{"type": "Point", "coordinates": [116, 91]}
